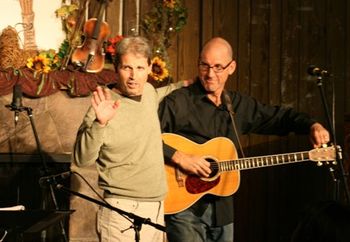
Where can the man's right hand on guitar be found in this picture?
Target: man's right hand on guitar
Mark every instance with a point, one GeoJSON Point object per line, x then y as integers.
{"type": "Point", "coordinates": [192, 164]}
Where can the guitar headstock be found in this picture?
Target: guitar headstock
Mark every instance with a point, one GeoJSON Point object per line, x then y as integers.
{"type": "Point", "coordinates": [323, 155]}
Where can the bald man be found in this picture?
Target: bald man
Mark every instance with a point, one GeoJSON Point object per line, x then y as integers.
{"type": "Point", "coordinates": [199, 113]}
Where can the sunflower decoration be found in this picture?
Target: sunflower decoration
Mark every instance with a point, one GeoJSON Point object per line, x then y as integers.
{"type": "Point", "coordinates": [44, 62]}
{"type": "Point", "coordinates": [159, 71]}
{"type": "Point", "coordinates": [160, 25]}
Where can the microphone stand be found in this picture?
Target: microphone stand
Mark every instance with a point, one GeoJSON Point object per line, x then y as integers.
{"type": "Point", "coordinates": [43, 160]}
{"type": "Point", "coordinates": [137, 220]}
{"type": "Point", "coordinates": [339, 158]}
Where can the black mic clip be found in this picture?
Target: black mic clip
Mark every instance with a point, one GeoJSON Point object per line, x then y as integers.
{"type": "Point", "coordinates": [17, 110]}
{"type": "Point", "coordinates": [54, 179]}
{"type": "Point", "coordinates": [316, 71]}
{"type": "Point", "coordinates": [16, 104]}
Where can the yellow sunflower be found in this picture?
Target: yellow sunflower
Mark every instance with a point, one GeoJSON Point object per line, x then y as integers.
{"type": "Point", "coordinates": [40, 63]}
{"type": "Point", "coordinates": [159, 71]}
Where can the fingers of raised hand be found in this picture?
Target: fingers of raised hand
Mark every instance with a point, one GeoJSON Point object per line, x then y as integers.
{"type": "Point", "coordinates": [101, 94]}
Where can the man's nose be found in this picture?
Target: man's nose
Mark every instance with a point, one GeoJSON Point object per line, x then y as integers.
{"type": "Point", "coordinates": [211, 72]}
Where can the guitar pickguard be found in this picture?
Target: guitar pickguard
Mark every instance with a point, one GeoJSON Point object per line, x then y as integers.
{"type": "Point", "coordinates": [195, 185]}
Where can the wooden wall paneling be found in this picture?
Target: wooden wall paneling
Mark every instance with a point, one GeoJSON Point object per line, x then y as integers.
{"type": "Point", "coordinates": [347, 63]}
{"type": "Point", "coordinates": [113, 17]}
{"type": "Point", "coordinates": [274, 46]}
{"type": "Point", "coordinates": [92, 9]}
{"type": "Point", "coordinates": [130, 17]}
{"type": "Point", "coordinates": [346, 95]}
{"type": "Point", "coordinates": [233, 84]}
{"type": "Point", "coordinates": [287, 177]}
{"type": "Point", "coordinates": [335, 54]}
{"type": "Point", "coordinates": [246, 197]}
{"type": "Point", "coordinates": [145, 7]}
{"type": "Point", "coordinates": [259, 80]}
{"type": "Point", "coordinates": [274, 69]}
{"type": "Point", "coordinates": [252, 209]}
{"type": "Point", "coordinates": [223, 19]}
{"type": "Point", "coordinates": [312, 51]}
{"type": "Point", "coordinates": [290, 28]}
{"type": "Point", "coordinates": [188, 47]}
{"type": "Point", "coordinates": [290, 50]}
{"type": "Point", "coordinates": [276, 144]}
{"type": "Point", "coordinates": [312, 43]}
{"type": "Point", "coordinates": [225, 25]}
{"type": "Point", "coordinates": [173, 53]}
{"type": "Point", "coordinates": [207, 21]}
{"type": "Point", "coordinates": [242, 52]}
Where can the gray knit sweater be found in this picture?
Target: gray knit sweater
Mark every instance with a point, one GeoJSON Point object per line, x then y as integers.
{"type": "Point", "coordinates": [128, 150]}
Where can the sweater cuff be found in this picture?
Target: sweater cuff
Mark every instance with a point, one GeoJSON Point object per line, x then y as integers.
{"type": "Point", "coordinates": [96, 126]}
{"type": "Point", "coordinates": [168, 152]}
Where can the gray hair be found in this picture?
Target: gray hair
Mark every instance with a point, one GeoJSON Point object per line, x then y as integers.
{"type": "Point", "coordinates": [135, 45]}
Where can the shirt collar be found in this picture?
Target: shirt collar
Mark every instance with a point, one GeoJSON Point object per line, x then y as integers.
{"type": "Point", "coordinates": [115, 87]}
{"type": "Point", "coordinates": [202, 93]}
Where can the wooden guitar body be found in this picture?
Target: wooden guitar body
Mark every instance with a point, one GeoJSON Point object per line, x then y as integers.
{"type": "Point", "coordinates": [185, 190]}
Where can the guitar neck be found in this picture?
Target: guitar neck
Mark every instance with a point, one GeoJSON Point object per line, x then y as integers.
{"type": "Point", "coordinates": [263, 161]}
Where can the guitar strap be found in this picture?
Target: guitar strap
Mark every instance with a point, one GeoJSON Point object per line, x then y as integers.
{"type": "Point", "coordinates": [228, 103]}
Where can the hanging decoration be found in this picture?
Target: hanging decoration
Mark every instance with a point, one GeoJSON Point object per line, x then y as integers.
{"type": "Point", "coordinates": [160, 25]}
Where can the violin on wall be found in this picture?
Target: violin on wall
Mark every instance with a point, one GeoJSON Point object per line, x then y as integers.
{"type": "Point", "coordinates": [90, 55]}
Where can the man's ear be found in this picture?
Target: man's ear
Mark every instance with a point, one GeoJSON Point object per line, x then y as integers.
{"type": "Point", "coordinates": [232, 67]}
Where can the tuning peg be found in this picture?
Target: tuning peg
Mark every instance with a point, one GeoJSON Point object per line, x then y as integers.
{"type": "Point", "coordinates": [319, 163]}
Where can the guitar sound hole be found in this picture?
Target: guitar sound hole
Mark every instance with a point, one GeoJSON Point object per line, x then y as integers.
{"type": "Point", "coordinates": [213, 166]}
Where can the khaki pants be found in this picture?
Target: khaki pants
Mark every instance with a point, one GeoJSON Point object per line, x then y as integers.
{"type": "Point", "coordinates": [114, 227]}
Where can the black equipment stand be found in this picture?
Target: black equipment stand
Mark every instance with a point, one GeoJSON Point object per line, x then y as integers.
{"type": "Point", "coordinates": [137, 220]}
{"type": "Point", "coordinates": [29, 112]}
{"type": "Point", "coordinates": [17, 223]}
{"type": "Point", "coordinates": [339, 158]}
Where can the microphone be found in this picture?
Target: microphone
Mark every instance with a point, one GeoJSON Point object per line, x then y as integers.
{"type": "Point", "coordinates": [54, 179]}
{"type": "Point", "coordinates": [316, 71]}
{"type": "Point", "coordinates": [16, 104]}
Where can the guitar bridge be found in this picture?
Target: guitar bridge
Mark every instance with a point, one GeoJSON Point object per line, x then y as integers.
{"type": "Point", "coordinates": [179, 177]}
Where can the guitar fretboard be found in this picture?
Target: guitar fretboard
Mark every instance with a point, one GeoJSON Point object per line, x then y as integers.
{"type": "Point", "coordinates": [263, 161]}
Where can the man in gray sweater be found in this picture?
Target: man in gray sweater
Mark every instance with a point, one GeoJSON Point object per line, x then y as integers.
{"type": "Point", "coordinates": [121, 133]}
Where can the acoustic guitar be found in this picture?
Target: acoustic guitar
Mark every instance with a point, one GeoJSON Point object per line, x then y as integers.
{"type": "Point", "coordinates": [185, 190]}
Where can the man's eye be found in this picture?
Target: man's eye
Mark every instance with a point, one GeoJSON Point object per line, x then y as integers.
{"type": "Point", "coordinates": [140, 68]}
{"type": "Point", "coordinates": [218, 67]}
{"type": "Point", "coordinates": [126, 68]}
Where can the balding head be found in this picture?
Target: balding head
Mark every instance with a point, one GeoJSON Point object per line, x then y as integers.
{"type": "Point", "coordinates": [215, 66]}
{"type": "Point", "coordinates": [218, 44]}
